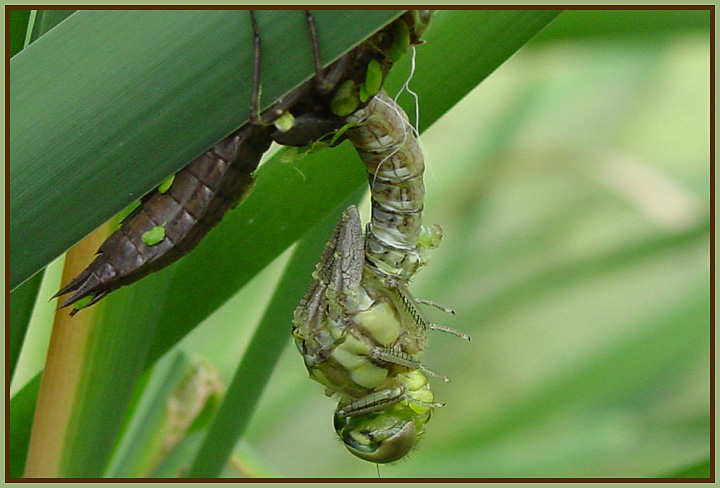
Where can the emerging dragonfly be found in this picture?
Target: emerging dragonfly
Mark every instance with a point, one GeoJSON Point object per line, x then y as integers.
{"type": "Point", "coordinates": [171, 220]}
{"type": "Point", "coordinates": [358, 328]}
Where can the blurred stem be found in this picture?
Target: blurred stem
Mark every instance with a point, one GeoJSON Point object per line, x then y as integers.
{"type": "Point", "coordinates": [63, 367]}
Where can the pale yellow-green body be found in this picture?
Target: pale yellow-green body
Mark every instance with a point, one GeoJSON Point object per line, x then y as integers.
{"type": "Point", "coordinates": [360, 321]}
{"type": "Point", "coordinates": [361, 340]}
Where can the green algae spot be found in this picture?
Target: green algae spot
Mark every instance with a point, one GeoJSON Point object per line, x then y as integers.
{"type": "Point", "coordinates": [165, 185]}
{"type": "Point", "coordinates": [401, 40]}
{"type": "Point", "coordinates": [285, 122]}
{"type": "Point", "coordinates": [373, 80]}
{"type": "Point", "coordinates": [154, 235]}
{"type": "Point", "coordinates": [345, 100]}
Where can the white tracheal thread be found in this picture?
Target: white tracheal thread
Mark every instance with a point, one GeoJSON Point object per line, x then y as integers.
{"type": "Point", "coordinates": [428, 163]}
{"type": "Point", "coordinates": [406, 87]}
{"type": "Point", "coordinates": [416, 128]}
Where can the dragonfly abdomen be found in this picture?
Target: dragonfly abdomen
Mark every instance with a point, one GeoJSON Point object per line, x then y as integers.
{"type": "Point", "coordinates": [383, 138]}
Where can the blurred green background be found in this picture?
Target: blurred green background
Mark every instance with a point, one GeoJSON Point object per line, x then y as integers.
{"type": "Point", "coordinates": [573, 190]}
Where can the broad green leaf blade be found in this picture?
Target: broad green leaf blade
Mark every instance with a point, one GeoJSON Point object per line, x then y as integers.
{"type": "Point", "coordinates": [109, 103]}
{"type": "Point", "coordinates": [290, 198]}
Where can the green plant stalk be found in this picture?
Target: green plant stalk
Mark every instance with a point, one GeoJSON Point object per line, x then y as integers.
{"type": "Point", "coordinates": [61, 377]}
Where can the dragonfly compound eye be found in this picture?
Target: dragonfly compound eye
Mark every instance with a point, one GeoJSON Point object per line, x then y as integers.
{"type": "Point", "coordinates": [380, 437]}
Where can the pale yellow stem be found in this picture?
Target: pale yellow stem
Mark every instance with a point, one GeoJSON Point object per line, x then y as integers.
{"type": "Point", "coordinates": [62, 373]}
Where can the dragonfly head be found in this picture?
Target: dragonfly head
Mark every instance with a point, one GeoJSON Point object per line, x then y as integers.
{"type": "Point", "coordinates": [383, 436]}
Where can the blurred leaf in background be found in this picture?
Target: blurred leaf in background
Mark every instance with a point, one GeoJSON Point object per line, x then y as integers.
{"type": "Point", "coordinates": [573, 190]}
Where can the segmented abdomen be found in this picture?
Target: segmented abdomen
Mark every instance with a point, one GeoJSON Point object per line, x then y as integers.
{"type": "Point", "coordinates": [199, 197]}
{"type": "Point", "coordinates": [384, 140]}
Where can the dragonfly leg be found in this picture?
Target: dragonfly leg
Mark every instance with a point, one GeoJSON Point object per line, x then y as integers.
{"type": "Point", "coordinates": [255, 95]}
{"type": "Point", "coordinates": [324, 82]}
{"type": "Point", "coordinates": [373, 402]}
{"type": "Point", "coordinates": [315, 41]}
{"type": "Point", "coordinates": [381, 399]}
{"type": "Point", "coordinates": [279, 107]}
{"type": "Point", "coordinates": [396, 356]}
{"type": "Point", "coordinates": [407, 304]}
{"type": "Point", "coordinates": [449, 330]}
{"type": "Point", "coordinates": [308, 127]}
{"type": "Point", "coordinates": [435, 304]}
